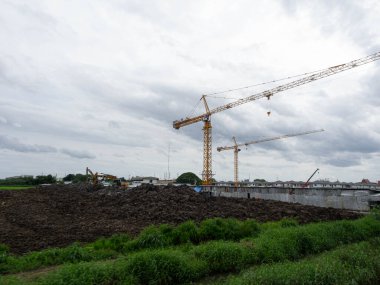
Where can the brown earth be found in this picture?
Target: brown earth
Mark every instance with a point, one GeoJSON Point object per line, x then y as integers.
{"type": "Point", "coordinates": [56, 216]}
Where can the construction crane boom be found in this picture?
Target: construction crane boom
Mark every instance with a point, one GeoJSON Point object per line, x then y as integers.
{"type": "Point", "coordinates": [236, 149]}
{"type": "Point", "coordinates": [206, 117]}
{"type": "Point", "coordinates": [307, 182]}
{"type": "Point", "coordinates": [268, 93]}
{"type": "Point", "coordinates": [221, 148]}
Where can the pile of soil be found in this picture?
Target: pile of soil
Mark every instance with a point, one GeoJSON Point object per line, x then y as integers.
{"type": "Point", "coordinates": [59, 215]}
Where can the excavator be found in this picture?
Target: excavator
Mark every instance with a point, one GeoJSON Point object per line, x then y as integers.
{"type": "Point", "coordinates": [97, 179]}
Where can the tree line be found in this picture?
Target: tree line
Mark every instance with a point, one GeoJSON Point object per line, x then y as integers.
{"type": "Point", "coordinates": [29, 180]}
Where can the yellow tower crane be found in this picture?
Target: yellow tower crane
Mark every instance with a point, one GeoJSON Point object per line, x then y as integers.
{"type": "Point", "coordinates": [236, 149]}
{"type": "Point", "coordinates": [206, 117]}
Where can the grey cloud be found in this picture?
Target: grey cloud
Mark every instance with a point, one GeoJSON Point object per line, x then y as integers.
{"type": "Point", "coordinates": [372, 88]}
{"type": "Point", "coordinates": [343, 162]}
{"type": "Point", "coordinates": [15, 145]}
{"type": "Point", "coordinates": [77, 154]}
{"type": "Point", "coordinates": [344, 16]}
{"type": "Point", "coordinates": [113, 124]}
{"type": "Point", "coordinates": [3, 120]}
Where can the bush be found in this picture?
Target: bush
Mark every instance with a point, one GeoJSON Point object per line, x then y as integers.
{"type": "Point", "coordinates": [88, 274]}
{"type": "Point", "coordinates": [151, 237]}
{"type": "Point", "coordinates": [221, 256]}
{"type": "Point", "coordinates": [219, 229]}
{"type": "Point", "coordinates": [249, 228]}
{"type": "Point", "coordinates": [279, 244]}
{"type": "Point", "coordinates": [164, 267]}
{"type": "Point", "coordinates": [350, 264]}
{"type": "Point", "coordinates": [116, 242]}
{"type": "Point", "coordinates": [4, 250]}
{"type": "Point", "coordinates": [71, 254]}
{"type": "Point", "coordinates": [184, 233]}
{"type": "Point", "coordinates": [288, 222]}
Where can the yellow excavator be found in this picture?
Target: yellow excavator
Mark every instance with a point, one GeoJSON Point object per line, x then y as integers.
{"type": "Point", "coordinates": [105, 179]}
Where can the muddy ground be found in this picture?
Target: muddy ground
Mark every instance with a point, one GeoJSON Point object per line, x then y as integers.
{"type": "Point", "coordinates": [56, 216]}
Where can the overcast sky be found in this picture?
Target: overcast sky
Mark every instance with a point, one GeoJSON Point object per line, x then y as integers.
{"type": "Point", "coordinates": [99, 83]}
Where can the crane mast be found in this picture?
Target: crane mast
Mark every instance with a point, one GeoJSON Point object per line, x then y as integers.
{"type": "Point", "coordinates": [236, 149]}
{"type": "Point", "coordinates": [206, 117]}
{"type": "Point", "coordinates": [236, 159]}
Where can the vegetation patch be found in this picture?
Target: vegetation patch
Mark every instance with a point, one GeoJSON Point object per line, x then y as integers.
{"type": "Point", "coordinates": [349, 264]}
{"type": "Point", "coordinates": [14, 187]}
{"type": "Point", "coordinates": [54, 256]}
{"type": "Point", "coordinates": [161, 255]}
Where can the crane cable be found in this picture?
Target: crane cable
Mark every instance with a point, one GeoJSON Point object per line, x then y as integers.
{"type": "Point", "coordinates": [192, 111]}
{"type": "Point", "coordinates": [259, 84]}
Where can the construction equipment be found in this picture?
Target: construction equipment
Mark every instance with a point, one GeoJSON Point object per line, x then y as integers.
{"type": "Point", "coordinates": [206, 117]}
{"type": "Point", "coordinates": [307, 182]}
{"type": "Point", "coordinates": [97, 178]}
{"type": "Point", "coordinates": [236, 149]}
{"type": "Point", "coordinates": [121, 183]}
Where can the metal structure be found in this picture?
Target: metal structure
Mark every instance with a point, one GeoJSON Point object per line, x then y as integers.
{"type": "Point", "coordinates": [236, 149]}
{"type": "Point", "coordinates": [98, 177]}
{"type": "Point", "coordinates": [307, 182]}
{"type": "Point", "coordinates": [206, 117]}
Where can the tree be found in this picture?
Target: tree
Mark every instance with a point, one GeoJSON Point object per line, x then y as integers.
{"type": "Point", "coordinates": [189, 178]}
{"type": "Point", "coordinates": [80, 178]}
{"type": "Point", "coordinates": [44, 179]}
{"type": "Point", "coordinates": [75, 178]}
{"type": "Point", "coordinates": [68, 177]}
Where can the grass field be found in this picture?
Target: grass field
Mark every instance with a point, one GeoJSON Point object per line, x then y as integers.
{"type": "Point", "coordinates": [14, 187]}
{"type": "Point", "coordinates": [216, 251]}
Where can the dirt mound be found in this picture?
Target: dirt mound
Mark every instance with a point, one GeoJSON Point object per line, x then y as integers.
{"type": "Point", "coordinates": [59, 215]}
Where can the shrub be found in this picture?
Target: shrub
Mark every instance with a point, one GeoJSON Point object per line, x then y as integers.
{"type": "Point", "coordinates": [53, 256]}
{"type": "Point", "coordinates": [88, 274]}
{"type": "Point", "coordinates": [288, 222]}
{"type": "Point", "coordinates": [4, 250]}
{"type": "Point", "coordinates": [151, 237]}
{"type": "Point", "coordinates": [184, 233]}
{"type": "Point", "coordinates": [349, 264]}
{"type": "Point", "coordinates": [115, 242]}
{"type": "Point", "coordinates": [279, 244]}
{"type": "Point", "coordinates": [249, 228]}
{"type": "Point", "coordinates": [219, 229]}
{"type": "Point", "coordinates": [164, 267]}
{"type": "Point", "coordinates": [221, 256]}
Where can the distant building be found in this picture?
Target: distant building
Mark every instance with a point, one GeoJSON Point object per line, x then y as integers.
{"type": "Point", "coordinates": [137, 181]}
{"type": "Point", "coordinates": [318, 184]}
{"type": "Point", "coordinates": [20, 176]}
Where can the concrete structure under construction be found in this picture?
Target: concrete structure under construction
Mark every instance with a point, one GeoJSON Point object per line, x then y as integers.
{"type": "Point", "coordinates": [361, 199]}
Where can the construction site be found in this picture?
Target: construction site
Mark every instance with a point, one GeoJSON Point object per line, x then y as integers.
{"type": "Point", "coordinates": [189, 142]}
{"type": "Point", "coordinates": [56, 215]}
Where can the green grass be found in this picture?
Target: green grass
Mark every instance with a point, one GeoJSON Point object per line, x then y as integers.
{"type": "Point", "coordinates": [53, 256]}
{"type": "Point", "coordinates": [350, 264]}
{"type": "Point", "coordinates": [186, 253]}
{"type": "Point", "coordinates": [14, 187]}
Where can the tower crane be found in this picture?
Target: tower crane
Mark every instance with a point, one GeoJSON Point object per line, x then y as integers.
{"type": "Point", "coordinates": [236, 149]}
{"type": "Point", "coordinates": [206, 117]}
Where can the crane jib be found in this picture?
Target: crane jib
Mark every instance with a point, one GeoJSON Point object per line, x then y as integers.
{"type": "Point", "coordinates": [316, 76]}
